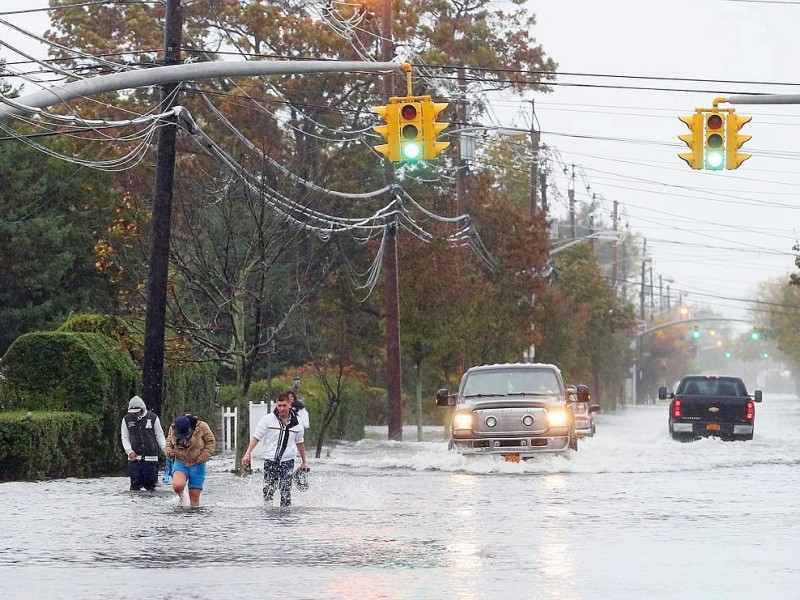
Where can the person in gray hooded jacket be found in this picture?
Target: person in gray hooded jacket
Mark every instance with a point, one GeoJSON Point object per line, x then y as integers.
{"type": "Point", "coordinates": [142, 436]}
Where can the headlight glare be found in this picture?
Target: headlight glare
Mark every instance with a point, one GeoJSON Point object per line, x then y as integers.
{"type": "Point", "coordinates": [557, 418]}
{"type": "Point", "coordinates": [462, 420]}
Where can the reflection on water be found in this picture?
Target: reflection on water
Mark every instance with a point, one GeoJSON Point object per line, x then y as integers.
{"type": "Point", "coordinates": [410, 520]}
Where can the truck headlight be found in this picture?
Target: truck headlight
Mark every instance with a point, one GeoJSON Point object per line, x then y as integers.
{"type": "Point", "coordinates": [557, 418]}
{"type": "Point", "coordinates": [462, 420]}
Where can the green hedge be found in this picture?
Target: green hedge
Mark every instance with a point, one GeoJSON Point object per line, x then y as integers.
{"type": "Point", "coordinates": [67, 372]}
{"type": "Point", "coordinates": [72, 372]}
{"type": "Point", "coordinates": [39, 444]}
{"type": "Point", "coordinates": [190, 390]}
{"type": "Point", "coordinates": [81, 372]}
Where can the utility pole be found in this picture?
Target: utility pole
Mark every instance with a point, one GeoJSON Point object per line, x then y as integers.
{"type": "Point", "coordinates": [614, 272]}
{"type": "Point", "coordinates": [155, 317]}
{"type": "Point", "coordinates": [390, 268]}
{"type": "Point", "coordinates": [625, 268]}
{"type": "Point", "coordinates": [534, 161]}
{"type": "Point", "coordinates": [652, 298]}
{"type": "Point", "coordinates": [571, 195]}
{"type": "Point", "coordinates": [543, 183]}
{"type": "Point", "coordinates": [461, 158]}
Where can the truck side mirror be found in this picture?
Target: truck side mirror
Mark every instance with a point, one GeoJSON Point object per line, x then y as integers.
{"type": "Point", "coordinates": [757, 396]}
{"type": "Point", "coordinates": [583, 393]}
{"type": "Point", "coordinates": [443, 398]}
{"type": "Point", "coordinates": [662, 393]}
{"type": "Point", "coordinates": [594, 408]}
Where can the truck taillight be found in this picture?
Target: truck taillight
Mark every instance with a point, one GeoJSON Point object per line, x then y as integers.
{"type": "Point", "coordinates": [677, 410]}
{"type": "Point", "coordinates": [750, 412]}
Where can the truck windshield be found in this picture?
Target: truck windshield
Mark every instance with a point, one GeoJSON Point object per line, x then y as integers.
{"type": "Point", "coordinates": [505, 382]}
{"type": "Point", "coordinates": [713, 387]}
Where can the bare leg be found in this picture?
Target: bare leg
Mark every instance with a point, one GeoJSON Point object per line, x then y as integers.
{"type": "Point", "coordinates": [194, 497]}
{"type": "Point", "coordinates": [179, 483]}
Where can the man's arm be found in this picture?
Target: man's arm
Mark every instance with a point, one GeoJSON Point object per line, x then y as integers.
{"type": "Point", "coordinates": [301, 448]}
{"type": "Point", "coordinates": [126, 441]}
{"type": "Point", "coordinates": [246, 457]}
{"type": "Point", "coordinates": [162, 441]}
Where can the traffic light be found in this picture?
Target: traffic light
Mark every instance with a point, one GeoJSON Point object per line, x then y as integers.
{"type": "Point", "coordinates": [696, 333]}
{"type": "Point", "coordinates": [714, 140]}
{"type": "Point", "coordinates": [684, 312]}
{"type": "Point", "coordinates": [411, 131]}
{"type": "Point", "coordinates": [734, 141]}
{"type": "Point", "coordinates": [765, 355]}
{"type": "Point", "coordinates": [431, 129]}
{"type": "Point", "coordinates": [728, 354]}
{"type": "Point", "coordinates": [755, 335]}
{"type": "Point", "coordinates": [390, 131]}
{"type": "Point", "coordinates": [694, 158]}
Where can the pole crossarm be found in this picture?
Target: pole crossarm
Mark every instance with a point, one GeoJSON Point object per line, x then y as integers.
{"type": "Point", "coordinates": [609, 236]}
{"type": "Point", "coordinates": [761, 99]}
{"type": "Point", "coordinates": [690, 320]}
{"type": "Point", "coordinates": [177, 73]}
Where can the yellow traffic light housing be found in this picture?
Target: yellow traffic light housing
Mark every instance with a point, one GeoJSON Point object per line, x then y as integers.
{"type": "Point", "coordinates": [410, 128]}
{"type": "Point", "coordinates": [431, 129]}
{"type": "Point", "coordinates": [734, 141]}
{"type": "Point", "coordinates": [714, 140]}
{"type": "Point", "coordinates": [694, 158]}
{"type": "Point", "coordinates": [390, 131]}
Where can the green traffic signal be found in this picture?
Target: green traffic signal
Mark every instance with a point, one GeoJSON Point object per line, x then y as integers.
{"type": "Point", "coordinates": [755, 335]}
{"type": "Point", "coordinates": [696, 333]}
{"type": "Point", "coordinates": [410, 131]}
{"type": "Point", "coordinates": [728, 354]}
{"type": "Point", "coordinates": [714, 147]}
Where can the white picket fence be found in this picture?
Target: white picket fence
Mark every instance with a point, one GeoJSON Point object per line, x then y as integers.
{"type": "Point", "coordinates": [230, 422]}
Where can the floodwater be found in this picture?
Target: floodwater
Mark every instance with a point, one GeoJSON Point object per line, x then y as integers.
{"type": "Point", "coordinates": [631, 515]}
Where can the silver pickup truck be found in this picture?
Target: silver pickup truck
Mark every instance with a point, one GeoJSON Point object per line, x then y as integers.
{"type": "Point", "coordinates": [515, 410]}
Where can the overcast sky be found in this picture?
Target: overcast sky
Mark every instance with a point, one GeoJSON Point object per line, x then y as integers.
{"type": "Point", "coordinates": [713, 236]}
{"type": "Point", "coordinates": [716, 234]}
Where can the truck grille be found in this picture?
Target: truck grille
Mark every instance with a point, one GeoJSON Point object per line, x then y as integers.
{"type": "Point", "coordinates": [509, 421]}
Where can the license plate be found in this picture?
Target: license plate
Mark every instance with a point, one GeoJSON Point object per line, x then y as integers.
{"type": "Point", "coordinates": [511, 458]}
{"type": "Point", "coordinates": [712, 427]}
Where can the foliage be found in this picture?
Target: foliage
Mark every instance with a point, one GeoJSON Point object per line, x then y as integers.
{"type": "Point", "coordinates": [584, 326]}
{"type": "Point", "coordinates": [84, 372]}
{"type": "Point", "coordinates": [238, 270]}
{"type": "Point", "coordinates": [73, 372]}
{"type": "Point", "coordinates": [779, 313]}
{"type": "Point", "coordinates": [190, 389]}
{"type": "Point", "coordinates": [49, 211]}
{"type": "Point", "coordinates": [38, 445]}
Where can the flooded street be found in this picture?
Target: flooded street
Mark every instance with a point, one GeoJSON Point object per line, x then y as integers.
{"type": "Point", "coordinates": [631, 515]}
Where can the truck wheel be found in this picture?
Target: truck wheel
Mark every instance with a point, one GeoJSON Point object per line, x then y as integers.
{"type": "Point", "coordinates": [573, 443]}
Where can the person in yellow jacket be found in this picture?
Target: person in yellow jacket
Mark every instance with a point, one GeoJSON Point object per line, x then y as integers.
{"type": "Point", "coordinates": [191, 443]}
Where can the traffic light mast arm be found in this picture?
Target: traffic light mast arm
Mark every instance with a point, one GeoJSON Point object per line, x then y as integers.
{"type": "Point", "coordinates": [407, 68]}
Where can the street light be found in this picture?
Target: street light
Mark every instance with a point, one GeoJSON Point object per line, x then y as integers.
{"type": "Point", "coordinates": [296, 381]}
{"type": "Point", "coordinates": [608, 235]}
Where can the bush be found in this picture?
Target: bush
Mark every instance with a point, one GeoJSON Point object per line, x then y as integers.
{"type": "Point", "coordinates": [190, 389]}
{"type": "Point", "coordinates": [72, 372]}
{"type": "Point", "coordinates": [38, 444]}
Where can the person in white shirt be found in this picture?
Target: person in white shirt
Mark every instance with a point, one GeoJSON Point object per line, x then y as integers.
{"type": "Point", "coordinates": [282, 436]}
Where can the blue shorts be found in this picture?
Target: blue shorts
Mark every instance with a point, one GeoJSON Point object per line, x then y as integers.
{"type": "Point", "coordinates": [195, 475]}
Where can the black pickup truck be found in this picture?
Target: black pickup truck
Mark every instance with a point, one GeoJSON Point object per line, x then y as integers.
{"type": "Point", "coordinates": [711, 405]}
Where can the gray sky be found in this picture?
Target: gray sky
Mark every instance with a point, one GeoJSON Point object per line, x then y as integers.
{"type": "Point", "coordinates": [715, 235]}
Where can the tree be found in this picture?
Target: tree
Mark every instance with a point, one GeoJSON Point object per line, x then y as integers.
{"type": "Point", "coordinates": [584, 329]}
{"type": "Point", "coordinates": [49, 213]}
{"type": "Point", "coordinates": [315, 126]}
